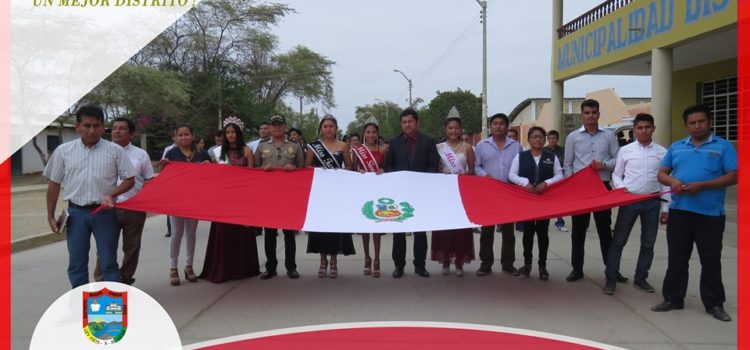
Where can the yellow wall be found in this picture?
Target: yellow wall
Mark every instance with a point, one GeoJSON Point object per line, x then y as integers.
{"type": "Point", "coordinates": [685, 89]}
{"type": "Point", "coordinates": [636, 29]}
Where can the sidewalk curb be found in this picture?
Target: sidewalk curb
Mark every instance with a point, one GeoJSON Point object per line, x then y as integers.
{"type": "Point", "coordinates": [26, 189]}
{"type": "Point", "coordinates": [27, 243]}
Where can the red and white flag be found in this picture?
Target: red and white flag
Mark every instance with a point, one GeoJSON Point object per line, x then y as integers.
{"type": "Point", "coordinates": [347, 201]}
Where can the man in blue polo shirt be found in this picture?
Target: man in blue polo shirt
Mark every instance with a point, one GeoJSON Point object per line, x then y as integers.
{"type": "Point", "coordinates": [698, 168]}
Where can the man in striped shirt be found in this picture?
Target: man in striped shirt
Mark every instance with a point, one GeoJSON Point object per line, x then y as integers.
{"type": "Point", "coordinates": [88, 169]}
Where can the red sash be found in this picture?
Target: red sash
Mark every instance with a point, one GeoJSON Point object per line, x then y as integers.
{"type": "Point", "coordinates": [366, 159]}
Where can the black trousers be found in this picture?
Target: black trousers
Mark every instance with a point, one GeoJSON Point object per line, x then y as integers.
{"type": "Point", "coordinates": [290, 249]}
{"type": "Point", "coordinates": [684, 229]}
{"type": "Point", "coordinates": [603, 220]}
{"type": "Point", "coordinates": [541, 229]}
{"type": "Point", "coordinates": [507, 249]}
{"type": "Point", "coordinates": [420, 249]}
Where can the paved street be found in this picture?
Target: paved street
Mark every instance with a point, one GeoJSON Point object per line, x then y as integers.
{"type": "Point", "coordinates": [204, 310]}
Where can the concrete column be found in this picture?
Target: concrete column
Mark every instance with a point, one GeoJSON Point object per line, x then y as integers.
{"type": "Point", "coordinates": [557, 87]}
{"type": "Point", "coordinates": [661, 95]}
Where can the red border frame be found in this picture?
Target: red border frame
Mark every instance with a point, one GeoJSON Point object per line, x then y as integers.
{"type": "Point", "coordinates": [743, 47]}
{"type": "Point", "coordinates": [743, 192]}
{"type": "Point", "coordinates": [5, 108]}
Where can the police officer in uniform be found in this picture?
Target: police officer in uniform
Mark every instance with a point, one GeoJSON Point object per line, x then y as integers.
{"type": "Point", "coordinates": [279, 153]}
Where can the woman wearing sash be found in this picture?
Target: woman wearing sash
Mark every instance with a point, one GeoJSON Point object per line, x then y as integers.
{"type": "Point", "coordinates": [535, 170]}
{"type": "Point", "coordinates": [232, 251]}
{"type": "Point", "coordinates": [185, 151]}
{"type": "Point", "coordinates": [330, 153]}
{"type": "Point", "coordinates": [456, 157]}
{"type": "Point", "coordinates": [369, 157]}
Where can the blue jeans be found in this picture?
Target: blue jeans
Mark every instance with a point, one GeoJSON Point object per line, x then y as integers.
{"type": "Point", "coordinates": [104, 227]}
{"type": "Point", "coordinates": [648, 210]}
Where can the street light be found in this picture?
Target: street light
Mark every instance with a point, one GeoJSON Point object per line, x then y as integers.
{"type": "Point", "coordinates": [483, 4]}
{"type": "Point", "coordinates": [410, 85]}
{"type": "Point", "coordinates": [386, 107]}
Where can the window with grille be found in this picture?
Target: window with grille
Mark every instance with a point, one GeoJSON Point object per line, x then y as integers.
{"type": "Point", "coordinates": [721, 96]}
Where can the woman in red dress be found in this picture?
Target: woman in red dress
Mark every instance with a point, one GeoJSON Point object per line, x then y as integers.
{"type": "Point", "coordinates": [232, 251]}
{"type": "Point", "coordinates": [454, 244]}
{"type": "Point", "coordinates": [378, 151]}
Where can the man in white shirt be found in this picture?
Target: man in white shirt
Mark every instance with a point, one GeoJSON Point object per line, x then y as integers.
{"type": "Point", "coordinates": [218, 140]}
{"type": "Point", "coordinates": [130, 222]}
{"type": "Point", "coordinates": [636, 170]}
{"type": "Point", "coordinates": [264, 133]}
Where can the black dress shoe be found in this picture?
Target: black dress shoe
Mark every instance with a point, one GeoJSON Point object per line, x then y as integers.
{"type": "Point", "coordinates": [643, 286]}
{"type": "Point", "coordinates": [268, 274]}
{"type": "Point", "coordinates": [666, 305]}
{"type": "Point", "coordinates": [293, 274]}
{"type": "Point", "coordinates": [609, 287]}
{"type": "Point", "coordinates": [484, 271]}
{"type": "Point", "coordinates": [398, 272]}
{"type": "Point", "coordinates": [621, 279]}
{"type": "Point", "coordinates": [168, 234]}
{"type": "Point", "coordinates": [422, 272]}
{"type": "Point", "coordinates": [574, 276]}
{"type": "Point", "coordinates": [718, 313]}
{"type": "Point", "coordinates": [510, 269]}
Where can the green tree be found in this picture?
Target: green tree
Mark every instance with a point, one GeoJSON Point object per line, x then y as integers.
{"type": "Point", "coordinates": [387, 115]}
{"type": "Point", "coordinates": [469, 106]}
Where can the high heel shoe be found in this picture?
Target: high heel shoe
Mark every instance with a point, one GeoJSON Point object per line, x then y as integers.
{"type": "Point", "coordinates": [190, 275]}
{"type": "Point", "coordinates": [334, 272]}
{"type": "Point", "coordinates": [323, 270]}
{"type": "Point", "coordinates": [368, 266]}
{"type": "Point", "coordinates": [174, 277]}
{"type": "Point", "coordinates": [459, 270]}
{"type": "Point", "coordinates": [376, 269]}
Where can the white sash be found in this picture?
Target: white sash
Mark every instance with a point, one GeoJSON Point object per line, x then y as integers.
{"type": "Point", "coordinates": [450, 160]}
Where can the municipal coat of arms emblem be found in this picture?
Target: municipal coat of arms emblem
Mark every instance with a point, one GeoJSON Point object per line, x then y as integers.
{"type": "Point", "coordinates": [105, 316]}
{"type": "Point", "coordinates": [386, 209]}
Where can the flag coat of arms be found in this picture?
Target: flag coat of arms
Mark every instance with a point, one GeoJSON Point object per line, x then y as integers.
{"type": "Point", "coordinates": [105, 316]}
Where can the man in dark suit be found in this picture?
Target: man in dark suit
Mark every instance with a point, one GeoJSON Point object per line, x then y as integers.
{"type": "Point", "coordinates": [412, 151]}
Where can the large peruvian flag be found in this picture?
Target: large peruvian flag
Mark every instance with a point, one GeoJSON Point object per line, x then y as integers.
{"type": "Point", "coordinates": [347, 201]}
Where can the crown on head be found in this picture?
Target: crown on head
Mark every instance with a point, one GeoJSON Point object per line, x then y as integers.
{"type": "Point", "coordinates": [371, 120]}
{"type": "Point", "coordinates": [233, 120]}
{"type": "Point", "coordinates": [453, 113]}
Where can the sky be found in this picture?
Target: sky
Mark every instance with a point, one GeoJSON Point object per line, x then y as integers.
{"type": "Point", "coordinates": [438, 45]}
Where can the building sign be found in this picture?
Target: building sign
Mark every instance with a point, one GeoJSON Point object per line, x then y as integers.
{"type": "Point", "coordinates": [637, 28]}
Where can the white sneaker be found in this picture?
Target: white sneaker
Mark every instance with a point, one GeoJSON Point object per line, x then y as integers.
{"type": "Point", "coordinates": [446, 271]}
{"type": "Point", "coordinates": [459, 272]}
{"type": "Point", "coordinates": [562, 228]}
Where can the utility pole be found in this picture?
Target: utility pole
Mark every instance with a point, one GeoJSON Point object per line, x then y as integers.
{"type": "Point", "coordinates": [220, 96]}
{"type": "Point", "coordinates": [483, 4]}
{"type": "Point", "coordinates": [386, 107]}
{"type": "Point", "coordinates": [410, 86]}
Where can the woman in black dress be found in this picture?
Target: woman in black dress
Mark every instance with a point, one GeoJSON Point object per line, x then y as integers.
{"type": "Point", "coordinates": [331, 153]}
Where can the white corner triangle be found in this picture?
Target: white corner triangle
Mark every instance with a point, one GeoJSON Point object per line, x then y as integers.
{"type": "Point", "coordinates": [60, 53]}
